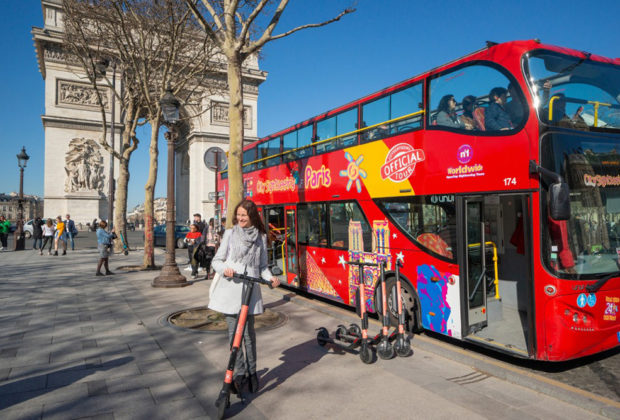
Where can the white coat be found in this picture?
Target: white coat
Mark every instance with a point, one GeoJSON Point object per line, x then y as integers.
{"type": "Point", "coordinates": [227, 295]}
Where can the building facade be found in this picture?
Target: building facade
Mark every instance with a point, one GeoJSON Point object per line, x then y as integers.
{"type": "Point", "coordinates": [32, 205]}
{"type": "Point", "coordinates": [77, 171]}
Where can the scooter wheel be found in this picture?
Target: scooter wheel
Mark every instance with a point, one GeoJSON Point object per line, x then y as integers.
{"type": "Point", "coordinates": [385, 350]}
{"type": "Point", "coordinates": [341, 331]}
{"type": "Point", "coordinates": [222, 403]}
{"type": "Point", "coordinates": [402, 345]}
{"type": "Point", "coordinates": [322, 337]}
{"type": "Point", "coordinates": [220, 411]}
{"type": "Point", "coordinates": [366, 354]}
{"type": "Point", "coordinates": [126, 252]}
{"type": "Point", "coordinates": [355, 330]}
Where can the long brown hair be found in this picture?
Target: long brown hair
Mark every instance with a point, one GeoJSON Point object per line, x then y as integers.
{"type": "Point", "coordinates": [252, 210]}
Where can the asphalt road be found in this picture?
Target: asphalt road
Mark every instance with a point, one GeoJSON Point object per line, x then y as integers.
{"type": "Point", "coordinates": [598, 374]}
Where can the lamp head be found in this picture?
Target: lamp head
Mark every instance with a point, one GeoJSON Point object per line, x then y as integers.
{"type": "Point", "coordinates": [170, 107]}
{"type": "Point", "coordinates": [22, 158]}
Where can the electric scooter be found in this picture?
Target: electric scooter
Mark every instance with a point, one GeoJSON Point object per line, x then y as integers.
{"type": "Point", "coordinates": [385, 348]}
{"type": "Point", "coordinates": [354, 336]}
{"type": "Point", "coordinates": [125, 244]}
{"type": "Point", "coordinates": [223, 399]}
{"type": "Point", "coordinates": [402, 343]}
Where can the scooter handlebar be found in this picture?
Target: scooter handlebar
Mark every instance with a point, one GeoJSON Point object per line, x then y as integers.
{"type": "Point", "coordinates": [260, 280]}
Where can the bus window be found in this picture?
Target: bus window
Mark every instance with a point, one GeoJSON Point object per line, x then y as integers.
{"type": "Point", "coordinates": [580, 94]}
{"type": "Point", "coordinates": [429, 220]}
{"type": "Point", "coordinates": [340, 214]}
{"type": "Point", "coordinates": [374, 113]}
{"type": "Point", "coordinates": [296, 140]}
{"type": "Point", "coordinates": [312, 224]}
{"type": "Point", "coordinates": [335, 126]}
{"type": "Point", "coordinates": [269, 148]}
{"type": "Point", "coordinates": [497, 102]}
{"type": "Point", "coordinates": [289, 142]}
{"type": "Point", "coordinates": [304, 138]}
{"type": "Point", "coordinates": [399, 104]}
{"type": "Point", "coordinates": [249, 156]}
{"type": "Point", "coordinates": [406, 102]}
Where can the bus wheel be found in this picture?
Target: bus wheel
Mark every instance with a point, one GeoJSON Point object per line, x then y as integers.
{"type": "Point", "coordinates": [409, 304]}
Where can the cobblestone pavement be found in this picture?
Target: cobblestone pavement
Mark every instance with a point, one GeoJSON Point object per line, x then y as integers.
{"type": "Point", "coordinates": [73, 346]}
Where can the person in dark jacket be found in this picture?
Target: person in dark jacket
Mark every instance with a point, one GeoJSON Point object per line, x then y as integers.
{"type": "Point", "coordinates": [71, 231]}
{"type": "Point", "coordinates": [37, 233]}
{"type": "Point", "coordinates": [496, 117]}
{"type": "Point", "coordinates": [199, 223]}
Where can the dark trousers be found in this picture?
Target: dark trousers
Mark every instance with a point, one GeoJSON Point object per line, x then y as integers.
{"type": "Point", "coordinates": [45, 240]}
{"type": "Point", "coordinates": [243, 365]}
{"type": "Point", "coordinates": [192, 261]}
{"type": "Point", "coordinates": [3, 237]}
{"type": "Point", "coordinates": [38, 241]}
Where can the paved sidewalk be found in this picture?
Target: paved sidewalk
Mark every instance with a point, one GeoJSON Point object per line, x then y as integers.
{"type": "Point", "coordinates": [73, 345]}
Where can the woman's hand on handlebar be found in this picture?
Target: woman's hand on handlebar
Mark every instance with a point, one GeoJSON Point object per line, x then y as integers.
{"type": "Point", "coordinates": [275, 282]}
{"type": "Point", "coordinates": [229, 272]}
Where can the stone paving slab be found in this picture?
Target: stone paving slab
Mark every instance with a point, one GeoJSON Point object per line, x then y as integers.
{"type": "Point", "coordinates": [76, 346]}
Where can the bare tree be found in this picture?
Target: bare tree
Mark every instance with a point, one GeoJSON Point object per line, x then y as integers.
{"type": "Point", "coordinates": [234, 26]}
{"type": "Point", "coordinates": [155, 46]}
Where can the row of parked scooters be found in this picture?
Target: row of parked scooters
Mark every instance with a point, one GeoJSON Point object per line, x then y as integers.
{"type": "Point", "coordinates": [387, 344]}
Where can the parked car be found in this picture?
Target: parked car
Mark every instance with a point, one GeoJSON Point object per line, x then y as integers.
{"type": "Point", "coordinates": [28, 229]}
{"type": "Point", "coordinates": [159, 235]}
{"type": "Point", "coordinates": [131, 226]}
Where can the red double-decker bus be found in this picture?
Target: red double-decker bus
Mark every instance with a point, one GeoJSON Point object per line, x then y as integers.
{"type": "Point", "coordinates": [495, 179]}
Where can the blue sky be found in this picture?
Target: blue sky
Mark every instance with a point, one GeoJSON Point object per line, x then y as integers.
{"type": "Point", "coordinates": [383, 42]}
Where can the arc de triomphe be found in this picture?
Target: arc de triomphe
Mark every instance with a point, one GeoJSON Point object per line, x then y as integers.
{"type": "Point", "coordinates": [77, 167]}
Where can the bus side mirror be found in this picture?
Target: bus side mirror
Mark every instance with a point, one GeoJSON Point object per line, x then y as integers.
{"type": "Point", "coordinates": [559, 201]}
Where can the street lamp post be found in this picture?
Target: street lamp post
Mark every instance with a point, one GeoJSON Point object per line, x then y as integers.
{"type": "Point", "coordinates": [22, 160]}
{"type": "Point", "coordinates": [170, 275]}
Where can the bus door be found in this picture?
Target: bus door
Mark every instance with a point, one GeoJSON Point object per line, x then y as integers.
{"type": "Point", "coordinates": [274, 221]}
{"type": "Point", "coordinates": [473, 269]}
{"type": "Point", "coordinates": [290, 247]}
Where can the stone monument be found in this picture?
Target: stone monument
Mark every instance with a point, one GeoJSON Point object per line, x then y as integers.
{"type": "Point", "coordinates": [77, 166]}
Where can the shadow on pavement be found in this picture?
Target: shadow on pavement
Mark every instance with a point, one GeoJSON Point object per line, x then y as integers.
{"type": "Point", "coordinates": [25, 389]}
{"type": "Point", "coordinates": [294, 359]}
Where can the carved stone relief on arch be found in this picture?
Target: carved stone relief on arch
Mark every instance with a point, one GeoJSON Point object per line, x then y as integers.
{"type": "Point", "coordinates": [84, 166]}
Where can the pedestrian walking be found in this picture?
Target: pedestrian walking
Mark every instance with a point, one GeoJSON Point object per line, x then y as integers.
{"type": "Point", "coordinates": [212, 240]}
{"type": "Point", "coordinates": [104, 245]}
{"type": "Point", "coordinates": [243, 250]}
{"type": "Point", "coordinates": [48, 235]}
{"type": "Point", "coordinates": [37, 233]}
{"type": "Point", "coordinates": [199, 222]}
{"type": "Point", "coordinates": [192, 239]}
{"type": "Point", "coordinates": [60, 237]}
{"type": "Point", "coordinates": [71, 231]}
{"type": "Point", "coordinates": [5, 226]}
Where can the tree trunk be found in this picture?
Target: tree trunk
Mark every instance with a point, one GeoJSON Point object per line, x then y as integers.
{"type": "Point", "coordinates": [235, 151]}
{"type": "Point", "coordinates": [120, 202]}
{"type": "Point", "coordinates": [148, 260]}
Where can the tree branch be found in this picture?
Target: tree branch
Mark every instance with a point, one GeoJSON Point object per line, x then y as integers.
{"type": "Point", "coordinates": [266, 37]}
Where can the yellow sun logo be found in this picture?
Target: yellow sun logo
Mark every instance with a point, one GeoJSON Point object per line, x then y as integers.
{"type": "Point", "coordinates": [354, 172]}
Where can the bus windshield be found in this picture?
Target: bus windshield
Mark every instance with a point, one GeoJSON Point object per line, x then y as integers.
{"type": "Point", "coordinates": [573, 92]}
{"type": "Point", "coordinates": [588, 244]}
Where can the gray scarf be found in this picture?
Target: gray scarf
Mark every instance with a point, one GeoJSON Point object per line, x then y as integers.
{"type": "Point", "coordinates": [245, 245]}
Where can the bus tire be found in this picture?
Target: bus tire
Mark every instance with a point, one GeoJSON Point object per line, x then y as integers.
{"type": "Point", "coordinates": [410, 304]}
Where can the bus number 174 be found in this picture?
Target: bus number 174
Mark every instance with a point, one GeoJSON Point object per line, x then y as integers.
{"type": "Point", "coordinates": [510, 181]}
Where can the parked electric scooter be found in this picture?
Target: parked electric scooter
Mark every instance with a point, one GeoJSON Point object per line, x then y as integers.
{"type": "Point", "coordinates": [384, 348]}
{"type": "Point", "coordinates": [223, 400]}
{"type": "Point", "coordinates": [402, 343]}
{"type": "Point", "coordinates": [354, 336]}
